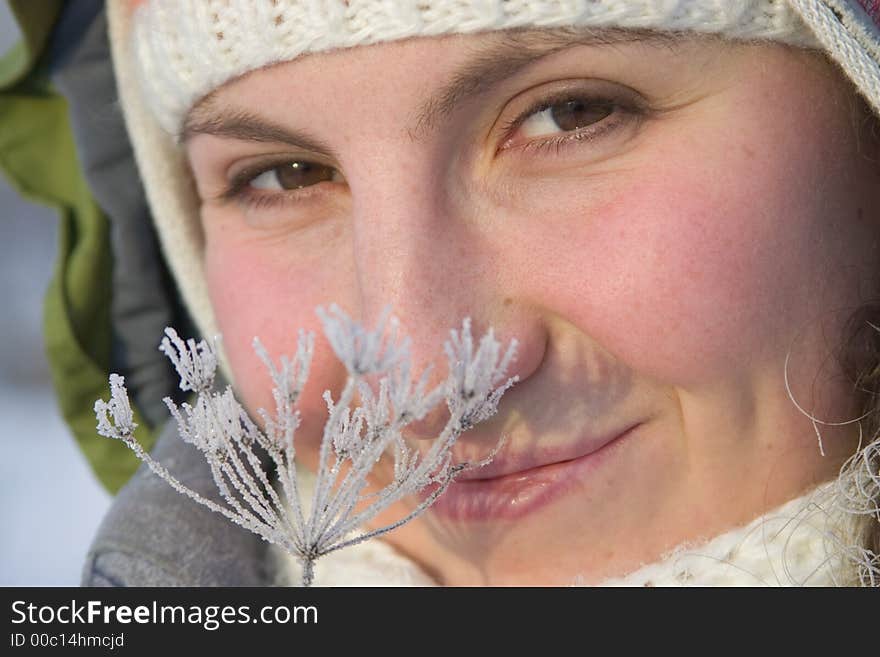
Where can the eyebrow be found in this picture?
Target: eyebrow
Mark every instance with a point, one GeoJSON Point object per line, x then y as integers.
{"type": "Point", "coordinates": [235, 123]}
{"type": "Point", "coordinates": [515, 51]}
{"type": "Point", "coordinates": [510, 52]}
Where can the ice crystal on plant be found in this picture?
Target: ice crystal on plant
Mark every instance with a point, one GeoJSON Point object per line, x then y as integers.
{"type": "Point", "coordinates": [353, 440]}
{"type": "Point", "coordinates": [115, 417]}
{"type": "Point", "coordinates": [196, 364]}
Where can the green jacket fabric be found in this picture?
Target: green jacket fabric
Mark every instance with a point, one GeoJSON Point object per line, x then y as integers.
{"type": "Point", "coordinates": [38, 156]}
{"type": "Point", "coordinates": [63, 143]}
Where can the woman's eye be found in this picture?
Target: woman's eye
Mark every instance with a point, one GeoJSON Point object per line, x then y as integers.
{"type": "Point", "coordinates": [567, 116]}
{"type": "Point", "coordinates": [603, 111]}
{"type": "Point", "coordinates": [293, 175]}
{"type": "Point", "coordinates": [274, 184]}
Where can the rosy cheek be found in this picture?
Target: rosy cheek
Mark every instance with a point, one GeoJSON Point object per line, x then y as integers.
{"type": "Point", "coordinates": [722, 276]}
{"type": "Point", "coordinates": [702, 281]}
{"type": "Point", "coordinates": [688, 272]}
{"type": "Point", "coordinates": [253, 295]}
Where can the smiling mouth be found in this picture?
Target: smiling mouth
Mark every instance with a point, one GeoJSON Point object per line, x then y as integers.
{"type": "Point", "coordinates": [511, 488]}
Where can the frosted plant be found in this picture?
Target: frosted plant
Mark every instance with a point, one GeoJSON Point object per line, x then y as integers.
{"type": "Point", "coordinates": [353, 440]}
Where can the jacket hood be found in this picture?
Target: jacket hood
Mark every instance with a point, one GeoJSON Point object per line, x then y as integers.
{"type": "Point", "coordinates": [64, 144]}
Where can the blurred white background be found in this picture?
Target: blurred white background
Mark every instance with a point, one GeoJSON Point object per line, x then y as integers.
{"type": "Point", "coordinates": [50, 503]}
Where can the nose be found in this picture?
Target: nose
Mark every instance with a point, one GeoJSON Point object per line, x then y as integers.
{"type": "Point", "coordinates": [420, 248]}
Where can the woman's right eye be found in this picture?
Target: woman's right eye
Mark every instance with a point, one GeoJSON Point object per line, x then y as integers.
{"type": "Point", "coordinates": [268, 185]}
{"type": "Point", "coordinates": [293, 175]}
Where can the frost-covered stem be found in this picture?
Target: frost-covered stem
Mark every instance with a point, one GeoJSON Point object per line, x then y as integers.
{"type": "Point", "coordinates": [289, 383]}
{"type": "Point", "coordinates": [238, 475]}
{"type": "Point", "coordinates": [283, 459]}
{"type": "Point", "coordinates": [352, 498]}
{"type": "Point", "coordinates": [257, 506]}
{"type": "Point", "coordinates": [280, 508]}
{"type": "Point", "coordinates": [347, 495]}
{"type": "Point", "coordinates": [287, 473]}
{"type": "Point", "coordinates": [428, 501]}
{"type": "Point", "coordinates": [288, 481]}
{"type": "Point", "coordinates": [258, 509]}
{"type": "Point", "coordinates": [308, 571]}
{"type": "Point", "coordinates": [243, 475]}
{"type": "Point", "coordinates": [323, 516]}
{"type": "Point", "coordinates": [162, 472]}
{"type": "Point", "coordinates": [323, 481]}
{"type": "Point", "coordinates": [225, 493]}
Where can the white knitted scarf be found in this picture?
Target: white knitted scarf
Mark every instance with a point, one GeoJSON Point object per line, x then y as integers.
{"type": "Point", "coordinates": [813, 540]}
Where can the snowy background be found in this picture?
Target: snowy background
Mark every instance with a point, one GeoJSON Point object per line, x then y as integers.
{"type": "Point", "coordinates": [50, 504]}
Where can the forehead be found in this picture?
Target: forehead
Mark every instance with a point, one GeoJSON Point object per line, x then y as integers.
{"type": "Point", "coordinates": [485, 58]}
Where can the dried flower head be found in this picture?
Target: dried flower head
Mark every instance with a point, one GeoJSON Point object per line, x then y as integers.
{"type": "Point", "coordinates": [353, 439]}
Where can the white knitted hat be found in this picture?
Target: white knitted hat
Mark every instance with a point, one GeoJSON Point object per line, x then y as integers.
{"type": "Point", "coordinates": [169, 54]}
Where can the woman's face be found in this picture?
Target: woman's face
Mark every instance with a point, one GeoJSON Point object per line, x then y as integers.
{"type": "Point", "coordinates": [658, 223]}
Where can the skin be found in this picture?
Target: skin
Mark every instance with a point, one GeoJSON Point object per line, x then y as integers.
{"type": "Point", "coordinates": [656, 271]}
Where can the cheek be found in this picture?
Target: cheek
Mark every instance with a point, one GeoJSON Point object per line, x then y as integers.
{"type": "Point", "coordinates": [708, 276]}
{"type": "Point", "coordinates": [257, 290]}
{"type": "Point", "coordinates": [697, 269]}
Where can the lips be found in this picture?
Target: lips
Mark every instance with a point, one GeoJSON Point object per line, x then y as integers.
{"type": "Point", "coordinates": [515, 485]}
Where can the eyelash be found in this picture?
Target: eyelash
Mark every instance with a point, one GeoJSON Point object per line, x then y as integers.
{"type": "Point", "coordinates": [239, 187]}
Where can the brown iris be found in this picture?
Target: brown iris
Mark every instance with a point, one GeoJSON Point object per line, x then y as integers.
{"type": "Point", "coordinates": [574, 114]}
{"type": "Point", "coordinates": [297, 175]}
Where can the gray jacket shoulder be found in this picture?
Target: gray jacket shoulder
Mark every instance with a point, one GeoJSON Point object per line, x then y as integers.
{"type": "Point", "coordinates": [154, 536]}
